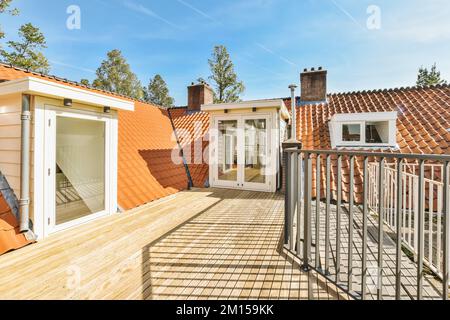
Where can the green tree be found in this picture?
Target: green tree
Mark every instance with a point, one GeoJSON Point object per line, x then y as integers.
{"type": "Point", "coordinates": [225, 81]}
{"type": "Point", "coordinates": [5, 8]}
{"type": "Point", "coordinates": [430, 77]}
{"type": "Point", "coordinates": [27, 53]}
{"type": "Point", "coordinates": [114, 74]}
{"type": "Point", "coordinates": [157, 92]}
{"type": "Point", "coordinates": [85, 82]}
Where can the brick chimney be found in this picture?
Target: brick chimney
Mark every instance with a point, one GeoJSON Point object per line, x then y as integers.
{"type": "Point", "coordinates": [199, 94]}
{"type": "Point", "coordinates": [313, 85]}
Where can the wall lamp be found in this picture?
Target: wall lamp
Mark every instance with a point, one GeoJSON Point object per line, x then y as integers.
{"type": "Point", "coordinates": [67, 103]}
{"type": "Point", "coordinates": [107, 109]}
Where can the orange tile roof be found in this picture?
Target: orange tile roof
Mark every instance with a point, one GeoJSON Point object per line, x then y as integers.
{"type": "Point", "coordinates": [422, 127]}
{"type": "Point", "coordinates": [10, 236]}
{"type": "Point", "coordinates": [146, 145]}
{"type": "Point", "coordinates": [192, 129]}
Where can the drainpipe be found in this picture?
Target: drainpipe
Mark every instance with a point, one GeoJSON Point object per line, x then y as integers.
{"type": "Point", "coordinates": [294, 113]}
{"type": "Point", "coordinates": [24, 202]}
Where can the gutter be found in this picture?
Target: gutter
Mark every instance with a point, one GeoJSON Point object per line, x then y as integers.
{"type": "Point", "coordinates": [186, 167]}
{"type": "Point", "coordinates": [24, 202]}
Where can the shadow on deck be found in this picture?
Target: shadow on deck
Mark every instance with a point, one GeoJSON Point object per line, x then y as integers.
{"type": "Point", "coordinates": [386, 279]}
{"type": "Point", "coordinates": [231, 250]}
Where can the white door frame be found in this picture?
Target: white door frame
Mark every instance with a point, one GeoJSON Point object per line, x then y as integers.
{"type": "Point", "coordinates": [251, 185]}
{"type": "Point", "coordinates": [51, 112]}
{"type": "Point", "coordinates": [214, 153]}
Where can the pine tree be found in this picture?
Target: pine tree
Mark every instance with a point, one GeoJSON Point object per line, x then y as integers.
{"type": "Point", "coordinates": [5, 8]}
{"type": "Point", "coordinates": [430, 77]}
{"type": "Point", "coordinates": [225, 81]}
{"type": "Point", "coordinates": [27, 53]}
{"type": "Point", "coordinates": [157, 92]}
{"type": "Point", "coordinates": [115, 75]}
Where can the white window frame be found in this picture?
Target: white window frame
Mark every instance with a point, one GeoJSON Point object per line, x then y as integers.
{"type": "Point", "coordinates": [339, 120]}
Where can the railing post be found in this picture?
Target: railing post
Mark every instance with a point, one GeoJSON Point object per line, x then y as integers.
{"type": "Point", "coordinates": [318, 182]}
{"type": "Point", "coordinates": [287, 200]}
{"type": "Point", "coordinates": [399, 230]}
{"type": "Point", "coordinates": [381, 204]}
{"type": "Point", "coordinates": [307, 212]}
{"type": "Point", "coordinates": [327, 215]}
{"type": "Point", "coordinates": [338, 218]}
{"type": "Point", "coordinates": [364, 231]}
{"type": "Point", "coordinates": [420, 236]}
{"type": "Point", "coordinates": [350, 225]}
{"type": "Point", "coordinates": [446, 214]}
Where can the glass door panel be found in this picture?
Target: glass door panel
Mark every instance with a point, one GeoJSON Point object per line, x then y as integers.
{"type": "Point", "coordinates": [80, 168]}
{"type": "Point", "coordinates": [228, 150]}
{"type": "Point", "coordinates": [255, 149]}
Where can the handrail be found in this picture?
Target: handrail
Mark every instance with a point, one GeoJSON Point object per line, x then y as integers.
{"type": "Point", "coordinates": [433, 157]}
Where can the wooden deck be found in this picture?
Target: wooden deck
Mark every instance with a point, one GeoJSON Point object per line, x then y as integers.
{"type": "Point", "coordinates": [431, 286]}
{"type": "Point", "coordinates": [201, 244]}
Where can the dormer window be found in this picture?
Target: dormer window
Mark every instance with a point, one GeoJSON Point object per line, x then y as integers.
{"type": "Point", "coordinates": [364, 130]}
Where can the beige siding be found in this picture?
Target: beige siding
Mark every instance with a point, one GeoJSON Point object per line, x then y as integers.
{"type": "Point", "coordinates": [10, 132]}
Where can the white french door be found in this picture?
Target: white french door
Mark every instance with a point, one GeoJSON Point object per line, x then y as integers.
{"type": "Point", "coordinates": [241, 154]}
{"type": "Point", "coordinates": [77, 166]}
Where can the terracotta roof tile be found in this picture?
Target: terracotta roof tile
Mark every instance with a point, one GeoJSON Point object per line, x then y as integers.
{"type": "Point", "coordinates": [146, 170]}
{"type": "Point", "coordinates": [422, 125]}
{"type": "Point", "coordinates": [192, 129]}
{"type": "Point", "coordinates": [10, 236]}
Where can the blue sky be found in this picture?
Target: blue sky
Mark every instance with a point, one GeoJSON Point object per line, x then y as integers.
{"type": "Point", "coordinates": [270, 41]}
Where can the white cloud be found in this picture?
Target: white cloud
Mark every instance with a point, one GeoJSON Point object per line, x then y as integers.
{"type": "Point", "coordinates": [148, 12]}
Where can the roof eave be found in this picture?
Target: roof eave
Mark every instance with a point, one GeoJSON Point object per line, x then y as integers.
{"type": "Point", "coordinates": [37, 86]}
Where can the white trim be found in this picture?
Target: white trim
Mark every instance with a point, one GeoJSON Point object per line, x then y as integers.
{"type": "Point", "coordinates": [364, 116]}
{"type": "Point", "coordinates": [338, 120]}
{"type": "Point", "coordinates": [42, 107]}
{"type": "Point", "coordinates": [272, 152]}
{"type": "Point", "coordinates": [51, 89]}
{"type": "Point", "coordinates": [259, 104]}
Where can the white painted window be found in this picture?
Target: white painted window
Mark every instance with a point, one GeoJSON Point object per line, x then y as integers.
{"type": "Point", "coordinates": [364, 130]}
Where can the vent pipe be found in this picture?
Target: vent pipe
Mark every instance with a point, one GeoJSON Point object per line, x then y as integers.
{"type": "Point", "coordinates": [24, 202]}
{"type": "Point", "coordinates": [294, 113]}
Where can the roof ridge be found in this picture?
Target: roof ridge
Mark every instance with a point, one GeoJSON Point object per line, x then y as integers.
{"type": "Point", "coordinates": [396, 89]}
{"type": "Point", "coordinates": [385, 90]}
{"type": "Point", "coordinates": [76, 83]}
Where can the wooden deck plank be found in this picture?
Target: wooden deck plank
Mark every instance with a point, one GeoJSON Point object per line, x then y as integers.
{"type": "Point", "coordinates": [200, 244]}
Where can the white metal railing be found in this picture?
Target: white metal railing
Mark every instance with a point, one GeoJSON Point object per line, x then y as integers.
{"type": "Point", "coordinates": [415, 206]}
{"type": "Point", "coordinates": [434, 234]}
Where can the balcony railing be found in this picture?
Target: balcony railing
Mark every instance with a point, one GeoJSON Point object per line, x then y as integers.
{"type": "Point", "coordinates": [375, 224]}
{"type": "Point", "coordinates": [434, 190]}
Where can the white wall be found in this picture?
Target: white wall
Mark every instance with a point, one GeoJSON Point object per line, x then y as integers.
{"type": "Point", "coordinates": [10, 133]}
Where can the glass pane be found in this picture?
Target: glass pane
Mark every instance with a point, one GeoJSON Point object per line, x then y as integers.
{"type": "Point", "coordinates": [80, 168]}
{"type": "Point", "coordinates": [255, 150]}
{"type": "Point", "coordinates": [351, 132]}
{"type": "Point", "coordinates": [377, 132]}
{"type": "Point", "coordinates": [227, 165]}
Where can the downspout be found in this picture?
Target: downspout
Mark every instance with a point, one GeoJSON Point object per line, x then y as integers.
{"type": "Point", "coordinates": [186, 167]}
{"type": "Point", "coordinates": [24, 202]}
